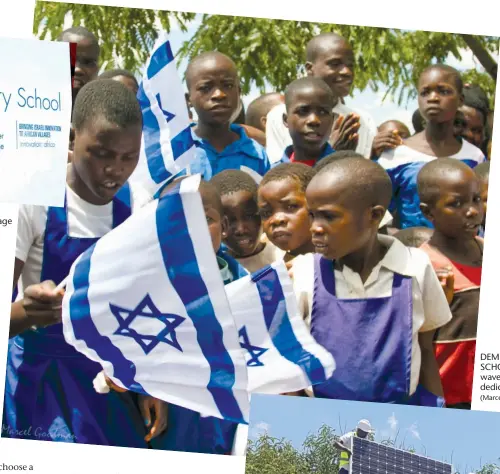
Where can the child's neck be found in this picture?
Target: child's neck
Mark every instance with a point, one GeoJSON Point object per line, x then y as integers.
{"type": "Point", "coordinates": [257, 250]}
{"type": "Point", "coordinates": [218, 135]}
{"type": "Point", "coordinates": [302, 155]}
{"type": "Point", "coordinates": [440, 139]}
{"type": "Point", "coordinates": [77, 185]}
{"type": "Point", "coordinates": [308, 247]}
{"type": "Point", "coordinates": [462, 249]}
{"type": "Point", "coordinates": [365, 259]}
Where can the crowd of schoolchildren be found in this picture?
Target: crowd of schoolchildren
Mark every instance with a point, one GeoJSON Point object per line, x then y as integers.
{"type": "Point", "coordinates": [382, 232]}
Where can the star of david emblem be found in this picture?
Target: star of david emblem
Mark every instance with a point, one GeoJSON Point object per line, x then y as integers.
{"type": "Point", "coordinates": [168, 115]}
{"type": "Point", "coordinates": [254, 351]}
{"type": "Point", "coordinates": [147, 309]}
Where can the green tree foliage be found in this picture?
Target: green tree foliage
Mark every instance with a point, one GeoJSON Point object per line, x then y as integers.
{"type": "Point", "coordinates": [268, 455]}
{"type": "Point", "coordinates": [272, 51]}
{"type": "Point", "coordinates": [129, 33]}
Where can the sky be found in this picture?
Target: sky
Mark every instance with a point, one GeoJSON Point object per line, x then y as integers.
{"type": "Point", "coordinates": [467, 439]}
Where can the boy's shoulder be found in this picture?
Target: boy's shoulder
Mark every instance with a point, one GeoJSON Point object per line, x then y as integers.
{"type": "Point", "coordinates": [248, 145]}
{"type": "Point", "coordinates": [402, 155]}
{"type": "Point", "coordinates": [470, 154]}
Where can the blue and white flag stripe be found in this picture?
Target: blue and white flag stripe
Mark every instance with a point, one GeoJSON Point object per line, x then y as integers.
{"type": "Point", "coordinates": [168, 146]}
{"type": "Point", "coordinates": [281, 354]}
{"type": "Point", "coordinates": [147, 302]}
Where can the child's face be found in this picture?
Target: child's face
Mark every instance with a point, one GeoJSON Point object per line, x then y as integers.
{"type": "Point", "coordinates": [217, 224]}
{"type": "Point", "coordinates": [473, 130]}
{"type": "Point", "coordinates": [104, 157]}
{"type": "Point", "coordinates": [214, 90]}
{"type": "Point", "coordinates": [282, 206]}
{"type": "Point", "coordinates": [87, 57]}
{"type": "Point", "coordinates": [310, 119]}
{"type": "Point", "coordinates": [334, 64]}
{"type": "Point", "coordinates": [459, 124]}
{"type": "Point", "coordinates": [338, 227]}
{"type": "Point", "coordinates": [459, 209]}
{"type": "Point", "coordinates": [403, 131]}
{"type": "Point", "coordinates": [244, 223]}
{"type": "Point", "coordinates": [438, 97]}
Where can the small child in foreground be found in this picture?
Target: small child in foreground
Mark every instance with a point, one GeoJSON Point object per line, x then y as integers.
{"type": "Point", "coordinates": [243, 235]}
{"type": "Point", "coordinates": [282, 205]}
{"type": "Point", "coordinates": [372, 302]}
{"type": "Point", "coordinates": [450, 195]}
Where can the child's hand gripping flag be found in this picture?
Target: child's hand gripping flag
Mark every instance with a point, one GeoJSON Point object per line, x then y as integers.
{"type": "Point", "coordinates": [148, 303]}
{"type": "Point", "coordinates": [167, 147]}
{"type": "Point", "coordinates": [281, 354]}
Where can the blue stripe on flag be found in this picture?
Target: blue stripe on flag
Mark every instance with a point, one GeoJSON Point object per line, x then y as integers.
{"type": "Point", "coordinates": [151, 136]}
{"type": "Point", "coordinates": [84, 327]}
{"type": "Point", "coordinates": [182, 142]}
{"type": "Point", "coordinates": [159, 59]}
{"type": "Point", "coordinates": [190, 287]}
{"type": "Point", "coordinates": [274, 305]}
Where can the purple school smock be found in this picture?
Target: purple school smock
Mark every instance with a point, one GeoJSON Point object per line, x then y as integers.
{"type": "Point", "coordinates": [370, 339]}
{"type": "Point", "coordinates": [49, 393]}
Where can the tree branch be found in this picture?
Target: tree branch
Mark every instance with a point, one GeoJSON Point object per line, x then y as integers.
{"type": "Point", "coordinates": [482, 54]}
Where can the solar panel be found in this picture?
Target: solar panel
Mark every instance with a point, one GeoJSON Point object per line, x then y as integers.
{"type": "Point", "coordinates": [369, 457]}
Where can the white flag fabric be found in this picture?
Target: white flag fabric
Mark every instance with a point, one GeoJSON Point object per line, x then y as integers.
{"type": "Point", "coordinates": [148, 303]}
{"type": "Point", "coordinates": [168, 146]}
{"type": "Point", "coordinates": [281, 354]}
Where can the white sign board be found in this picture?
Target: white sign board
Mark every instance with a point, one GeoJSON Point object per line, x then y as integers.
{"type": "Point", "coordinates": [35, 115]}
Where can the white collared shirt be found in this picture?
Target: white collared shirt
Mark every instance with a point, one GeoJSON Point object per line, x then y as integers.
{"type": "Point", "coordinates": [430, 308]}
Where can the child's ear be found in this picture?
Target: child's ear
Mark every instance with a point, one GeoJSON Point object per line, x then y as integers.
{"type": "Point", "coordinates": [285, 120]}
{"type": "Point", "coordinates": [426, 211]}
{"type": "Point", "coordinates": [309, 68]}
{"type": "Point", "coordinates": [188, 100]}
{"type": "Point", "coordinates": [224, 227]}
{"type": "Point", "coordinates": [378, 213]}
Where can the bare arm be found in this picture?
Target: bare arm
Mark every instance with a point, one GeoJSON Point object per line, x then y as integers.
{"type": "Point", "coordinates": [19, 322]}
{"type": "Point", "coordinates": [429, 370]}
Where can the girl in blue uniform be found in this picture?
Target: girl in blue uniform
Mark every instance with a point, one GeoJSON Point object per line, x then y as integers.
{"type": "Point", "coordinates": [49, 392]}
{"type": "Point", "coordinates": [440, 94]}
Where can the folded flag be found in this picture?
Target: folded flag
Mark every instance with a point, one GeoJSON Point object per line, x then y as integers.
{"type": "Point", "coordinates": [148, 303]}
{"type": "Point", "coordinates": [281, 354]}
{"type": "Point", "coordinates": [168, 147]}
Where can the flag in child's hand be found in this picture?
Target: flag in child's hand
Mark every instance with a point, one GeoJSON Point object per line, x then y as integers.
{"type": "Point", "coordinates": [168, 147]}
{"type": "Point", "coordinates": [148, 303]}
{"type": "Point", "coordinates": [281, 354]}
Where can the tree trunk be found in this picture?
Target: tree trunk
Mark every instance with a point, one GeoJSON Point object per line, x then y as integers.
{"type": "Point", "coordinates": [482, 54]}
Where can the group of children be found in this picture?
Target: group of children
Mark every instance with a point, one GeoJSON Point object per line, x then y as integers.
{"type": "Point", "coordinates": [381, 232]}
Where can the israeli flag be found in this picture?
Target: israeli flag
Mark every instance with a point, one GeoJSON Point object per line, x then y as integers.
{"type": "Point", "coordinates": [281, 354]}
{"type": "Point", "coordinates": [168, 146]}
{"type": "Point", "coordinates": [147, 302]}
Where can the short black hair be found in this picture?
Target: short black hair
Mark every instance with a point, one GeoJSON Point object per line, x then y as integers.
{"type": "Point", "coordinates": [210, 194]}
{"type": "Point", "coordinates": [112, 73]}
{"type": "Point", "coordinates": [473, 99]}
{"type": "Point", "coordinates": [232, 181]}
{"type": "Point", "coordinates": [483, 170]}
{"type": "Point", "coordinates": [369, 183]}
{"type": "Point", "coordinates": [315, 44]}
{"type": "Point", "coordinates": [417, 121]}
{"type": "Point", "coordinates": [200, 59]}
{"type": "Point", "coordinates": [79, 31]}
{"type": "Point", "coordinates": [414, 236]}
{"type": "Point", "coordinates": [450, 70]}
{"type": "Point", "coordinates": [429, 177]}
{"type": "Point", "coordinates": [260, 107]}
{"type": "Point", "coordinates": [298, 172]}
{"type": "Point", "coordinates": [307, 82]}
{"type": "Point", "coordinates": [109, 99]}
{"type": "Point", "coordinates": [336, 155]}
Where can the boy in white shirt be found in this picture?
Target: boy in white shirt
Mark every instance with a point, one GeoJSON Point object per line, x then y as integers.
{"type": "Point", "coordinates": [369, 300]}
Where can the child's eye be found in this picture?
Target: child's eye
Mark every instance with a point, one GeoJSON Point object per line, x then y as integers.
{"type": "Point", "coordinates": [477, 199]}
{"type": "Point", "coordinates": [265, 214]}
{"type": "Point", "coordinates": [292, 207]}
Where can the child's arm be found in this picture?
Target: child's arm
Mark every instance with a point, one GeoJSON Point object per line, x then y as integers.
{"type": "Point", "coordinates": [429, 369]}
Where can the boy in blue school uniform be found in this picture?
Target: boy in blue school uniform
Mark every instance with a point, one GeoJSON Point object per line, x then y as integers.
{"type": "Point", "coordinates": [49, 392]}
{"type": "Point", "coordinates": [214, 93]}
{"type": "Point", "coordinates": [372, 302]}
{"type": "Point", "coordinates": [309, 106]}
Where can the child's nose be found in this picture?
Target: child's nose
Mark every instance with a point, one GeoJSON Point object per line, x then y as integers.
{"type": "Point", "coordinates": [313, 119]}
{"type": "Point", "coordinates": [316, 228]}
{"type": "Point", "coordinates": [218, 94]}
{"type": "Point", "coordinates": [278, 218]}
